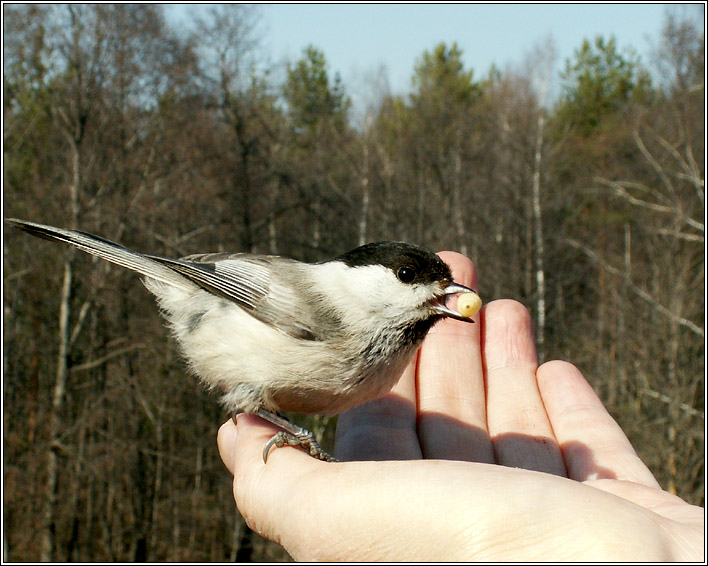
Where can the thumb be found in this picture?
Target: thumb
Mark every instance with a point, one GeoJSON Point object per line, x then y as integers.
{"type": "Point", "coordinates": [226, 440]}
{"type": "Point", "coordinates": [268, 495]}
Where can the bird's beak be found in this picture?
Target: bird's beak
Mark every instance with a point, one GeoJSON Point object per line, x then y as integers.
{"type": "Point", "coordinates": [453, 289]}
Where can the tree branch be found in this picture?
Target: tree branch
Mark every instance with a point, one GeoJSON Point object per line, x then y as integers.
{"type": "Point", "coordinates": [638, 290]}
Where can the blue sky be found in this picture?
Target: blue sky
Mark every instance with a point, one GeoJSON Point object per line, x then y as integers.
{"type": "Point", "coordinates": [360, 39]}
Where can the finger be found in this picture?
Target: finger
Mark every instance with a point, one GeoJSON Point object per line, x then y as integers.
{"type": "Point", "coordinates": [226, 440]}
{"type": "Point", "coordinates": [593, 444]}
{"type": "Point", "coordinates": [518, 425]}
{"type": "Point", "coordinates": [362, 511]}
{"type": "Point", "coordinates": [300, 502]}
{"type": "Point", "coordinates": [452, 421]}
{"type": "Point", "coordinates": [384, 429]}
{"type": "Point", "coordinates": [265, 492]}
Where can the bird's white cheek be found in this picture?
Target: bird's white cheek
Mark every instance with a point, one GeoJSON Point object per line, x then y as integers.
{"type": "Point", "coordinates": [368, 295]}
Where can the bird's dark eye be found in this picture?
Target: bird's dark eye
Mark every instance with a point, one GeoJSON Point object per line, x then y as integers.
{"type": "Point", "coordinates": [406, 274]}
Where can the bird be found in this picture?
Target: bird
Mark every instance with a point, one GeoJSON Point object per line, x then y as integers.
{"type": "Point", "coordinates": [273, 334]}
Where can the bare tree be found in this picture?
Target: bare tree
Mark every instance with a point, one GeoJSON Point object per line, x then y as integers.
{"type": "Point", "coordinates": [542, 60]}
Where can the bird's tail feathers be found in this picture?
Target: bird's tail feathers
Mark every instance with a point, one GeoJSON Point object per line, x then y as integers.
{"type": "Point", "coordinates": [105, 249]}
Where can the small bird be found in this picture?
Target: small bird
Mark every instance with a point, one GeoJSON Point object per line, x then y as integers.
{"type": "Point", "coordinates": [275, 334]}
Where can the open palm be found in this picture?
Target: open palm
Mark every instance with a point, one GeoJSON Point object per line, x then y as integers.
{"type": "Point", "coordinates": [477, 454]}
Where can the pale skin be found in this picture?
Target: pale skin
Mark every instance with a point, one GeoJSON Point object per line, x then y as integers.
{"type": "Point", "coordinates": [477, 454]}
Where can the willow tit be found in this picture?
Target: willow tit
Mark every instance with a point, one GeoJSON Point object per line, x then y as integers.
{"type": "Point", "coordinates": [274, 334]}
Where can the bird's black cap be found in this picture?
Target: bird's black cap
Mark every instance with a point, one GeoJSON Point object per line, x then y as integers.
{"type": "Point", "coordinates": [411, 263]}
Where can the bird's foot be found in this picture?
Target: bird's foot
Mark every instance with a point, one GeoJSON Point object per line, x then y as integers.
{"type": "Point", "coordinates": [292, 435]}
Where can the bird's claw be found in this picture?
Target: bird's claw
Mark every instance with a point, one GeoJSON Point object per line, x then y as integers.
{"type": "Point", "coordinates": [305, 441]}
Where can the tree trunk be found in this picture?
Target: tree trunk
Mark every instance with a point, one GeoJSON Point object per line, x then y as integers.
{"type": "Point", "coordinates": [460, 229]}
{"type": "Point", "coordinates": [48, 535]}
{"type": "Point", "coordinates": [364, 215]}
{"type": "Point", "coordinates": [539, 251]}
{"type": "Point", "coordinates": [538, 241]}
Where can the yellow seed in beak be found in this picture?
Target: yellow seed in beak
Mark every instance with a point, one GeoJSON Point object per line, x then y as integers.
{"type": "Point", "coordinates": [468, 304]}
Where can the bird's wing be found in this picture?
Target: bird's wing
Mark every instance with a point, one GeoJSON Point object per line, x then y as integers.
{"type": "Point", "coordinates": [244, 279]}
{"type": "Point", "coordinates": [247, 280]}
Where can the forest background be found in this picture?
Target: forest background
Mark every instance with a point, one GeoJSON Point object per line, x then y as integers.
{"type": "Point", "coordinates": [589, 209]}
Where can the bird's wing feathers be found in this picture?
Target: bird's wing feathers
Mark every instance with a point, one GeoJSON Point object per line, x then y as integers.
{"type": "Point", "coordinates": [246, 280]}
{"type": "Point", "coordinates": [237, 280]}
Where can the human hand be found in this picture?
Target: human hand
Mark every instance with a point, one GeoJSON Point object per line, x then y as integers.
{"type": "Point", "coordinates": [487, 457]}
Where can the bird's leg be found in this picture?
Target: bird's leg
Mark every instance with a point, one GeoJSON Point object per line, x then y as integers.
{"type": "Point", "coordinates": [292, 435]}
